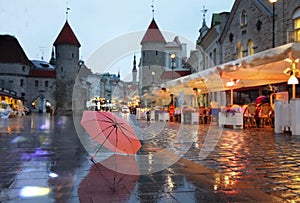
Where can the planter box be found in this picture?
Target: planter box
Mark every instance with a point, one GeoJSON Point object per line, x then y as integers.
{"type": "Point", "coordinates": [163, 116]}
{"type": "Point", "coordinates": [234, 119]}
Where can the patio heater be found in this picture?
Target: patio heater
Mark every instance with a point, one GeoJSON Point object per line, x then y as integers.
{"type": "Point", "coordinates": [230, 84]}
{"type": "Point", "coordinates": [293, 72]}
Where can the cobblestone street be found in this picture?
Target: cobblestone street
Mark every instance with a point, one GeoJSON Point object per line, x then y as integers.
{"type": "Point", "coordinates": [40, 152]}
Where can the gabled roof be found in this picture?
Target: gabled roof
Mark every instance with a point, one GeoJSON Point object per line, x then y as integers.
{"type": "Point", "coordinates": [174, 44]}
{"type": "Point", "coordinates": [42, 69]}
{"type": "Point", "coordinates": [66, 36]}
{"type": "Point", "coordinates": [11, 51]}
{"type": "Point", "coordinates": [263, 5]}
{"type": "Point", "coordinates": [153, 34]}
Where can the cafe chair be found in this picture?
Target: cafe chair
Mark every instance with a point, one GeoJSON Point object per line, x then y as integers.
{"type": "Point", "coordinates": [264, 115]}
{"type": "Point", "coordinates": [249, 116]}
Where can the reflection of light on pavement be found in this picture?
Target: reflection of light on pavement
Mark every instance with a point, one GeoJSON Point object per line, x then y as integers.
{"type": "Point", "coordinates": [225, 183]}
{"type": "Point", "coordinates": [18, 139]}
{"type": "Point", "coordinates": [170, 183]}
{"type": "Point", "coordinates": [32, 123]}
{"type": "Point", "coordinates": [150, 161]}
{"type": "Point", "coordinates": [46, 125]}
{"type": "Point", "coordinates": [31, 191]}
{"type": "Point", "coordinates": [217, 182]}
{"type": "Point", "coordinates": [52, 175]}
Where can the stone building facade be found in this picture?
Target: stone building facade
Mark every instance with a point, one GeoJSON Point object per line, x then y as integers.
{"type": "Point", "coordinates": [39, 83]}
{"type": "Point", "coordinates": [246, 30]}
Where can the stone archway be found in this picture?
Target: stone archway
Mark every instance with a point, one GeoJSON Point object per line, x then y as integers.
{"type": "Point", "coordinates": [41, 105]}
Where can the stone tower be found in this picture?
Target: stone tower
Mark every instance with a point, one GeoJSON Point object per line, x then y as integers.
{"type": "Point", "coordinates": [153, 56]}
{"type": "Point", "coordinates": [67, 68]}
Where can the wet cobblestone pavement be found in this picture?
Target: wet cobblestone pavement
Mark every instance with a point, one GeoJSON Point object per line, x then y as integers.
{"type": "Point", "coordinates": [42, 160]}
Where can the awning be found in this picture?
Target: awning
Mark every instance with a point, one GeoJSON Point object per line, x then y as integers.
{"type": "Point", "coordinates": [259, 69]}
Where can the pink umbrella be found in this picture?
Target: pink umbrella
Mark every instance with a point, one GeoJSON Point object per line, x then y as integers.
{"type": "Point", "coordinates": [111, 131]}
{"type": "Point", "coordinates": [260, 99]}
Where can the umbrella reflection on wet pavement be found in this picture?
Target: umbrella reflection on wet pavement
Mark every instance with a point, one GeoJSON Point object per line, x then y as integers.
{"type": "Point", "coordinates": [110, 180]}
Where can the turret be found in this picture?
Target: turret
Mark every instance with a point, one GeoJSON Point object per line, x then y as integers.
{"type": "Point", "coordinates": [67, 58]}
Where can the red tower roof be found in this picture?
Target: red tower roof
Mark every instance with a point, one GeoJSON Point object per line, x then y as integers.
{"type": "Point", "coordinates": [153, 34]}
{"type": "Point", "coordinates": [67, 36]}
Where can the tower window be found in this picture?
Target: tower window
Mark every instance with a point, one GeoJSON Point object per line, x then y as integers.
{"type": "Point", "coordinates": [243, 19]}
{"type": "Point", "coordinates": [72, 55]}
{"type": "Point", "coordinates": [21, 82]}
{"type": "Point", "coordinates": [23, 68]}
{"type": "Point", "coordinates": [46, 83]}
{"type": "Point", "coordinates": [156, 53]}
{"type": "Point", "coordinates": [62, 69]}
{"type": "Point", "coordinates": [36, 83]}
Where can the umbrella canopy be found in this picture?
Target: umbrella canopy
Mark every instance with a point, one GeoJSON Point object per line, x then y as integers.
{"type": "Point", "coordinates": [111, 131]}
{"type": "Point", "coordinates": [109, 181]}
{"type": "Point", "coordinates": [262, 99]}
{"type": "Point", "coordinates": [262, 68]}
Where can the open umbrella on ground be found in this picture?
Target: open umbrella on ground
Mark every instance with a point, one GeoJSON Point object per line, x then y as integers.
{"type": "Point", "coordinates": [110, 131]}
{"type": "Point", "coordinates": [111, 180]}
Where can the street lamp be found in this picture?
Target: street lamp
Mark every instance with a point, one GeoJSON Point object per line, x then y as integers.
{"type": "Point", "coordinates": [173, 56]}
{"type": "Point", "coordinates": [293, 72]}
{"type": "Point", "coordinates": [153, 74]}
{"type": "Point", "coordinates": [273, 32]}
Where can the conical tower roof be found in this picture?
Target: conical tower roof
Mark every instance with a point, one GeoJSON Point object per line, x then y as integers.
{"type": "Point", "coordinates": [67, 36]}
{"type": "Point", "coordinates": [153, 34]}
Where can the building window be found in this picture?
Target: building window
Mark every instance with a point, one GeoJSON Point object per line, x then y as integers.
{"type": "Point", "coordinates": [61, 69]}
{"type": "Point", "coordinates": [231, 37]}
{"type": "Point", "coordinates": [23, 68]}
{"type": "Point", "coordinates": [72, 55]}
{"type": "Point", "coordinates": [239, 50]}
{"type": "Point", "coordinates": [215, 56]}
{"type": "Point", "coordinates": [243, 19]}
{"type": "Point", "coordinates": [46, 83]}
{"type": "Point", "coordinates": [21, 82]}
{"type": "Point", "coordinates": [296, 19]}
{"type": "Point", "coordinates": [36, 83]}
{"type": "Point", "coordinates": [11, 81]}
{"type": "Point", "coordinates": [156, 53]}
{"type": "Point", "coordinates": [250, 47]}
